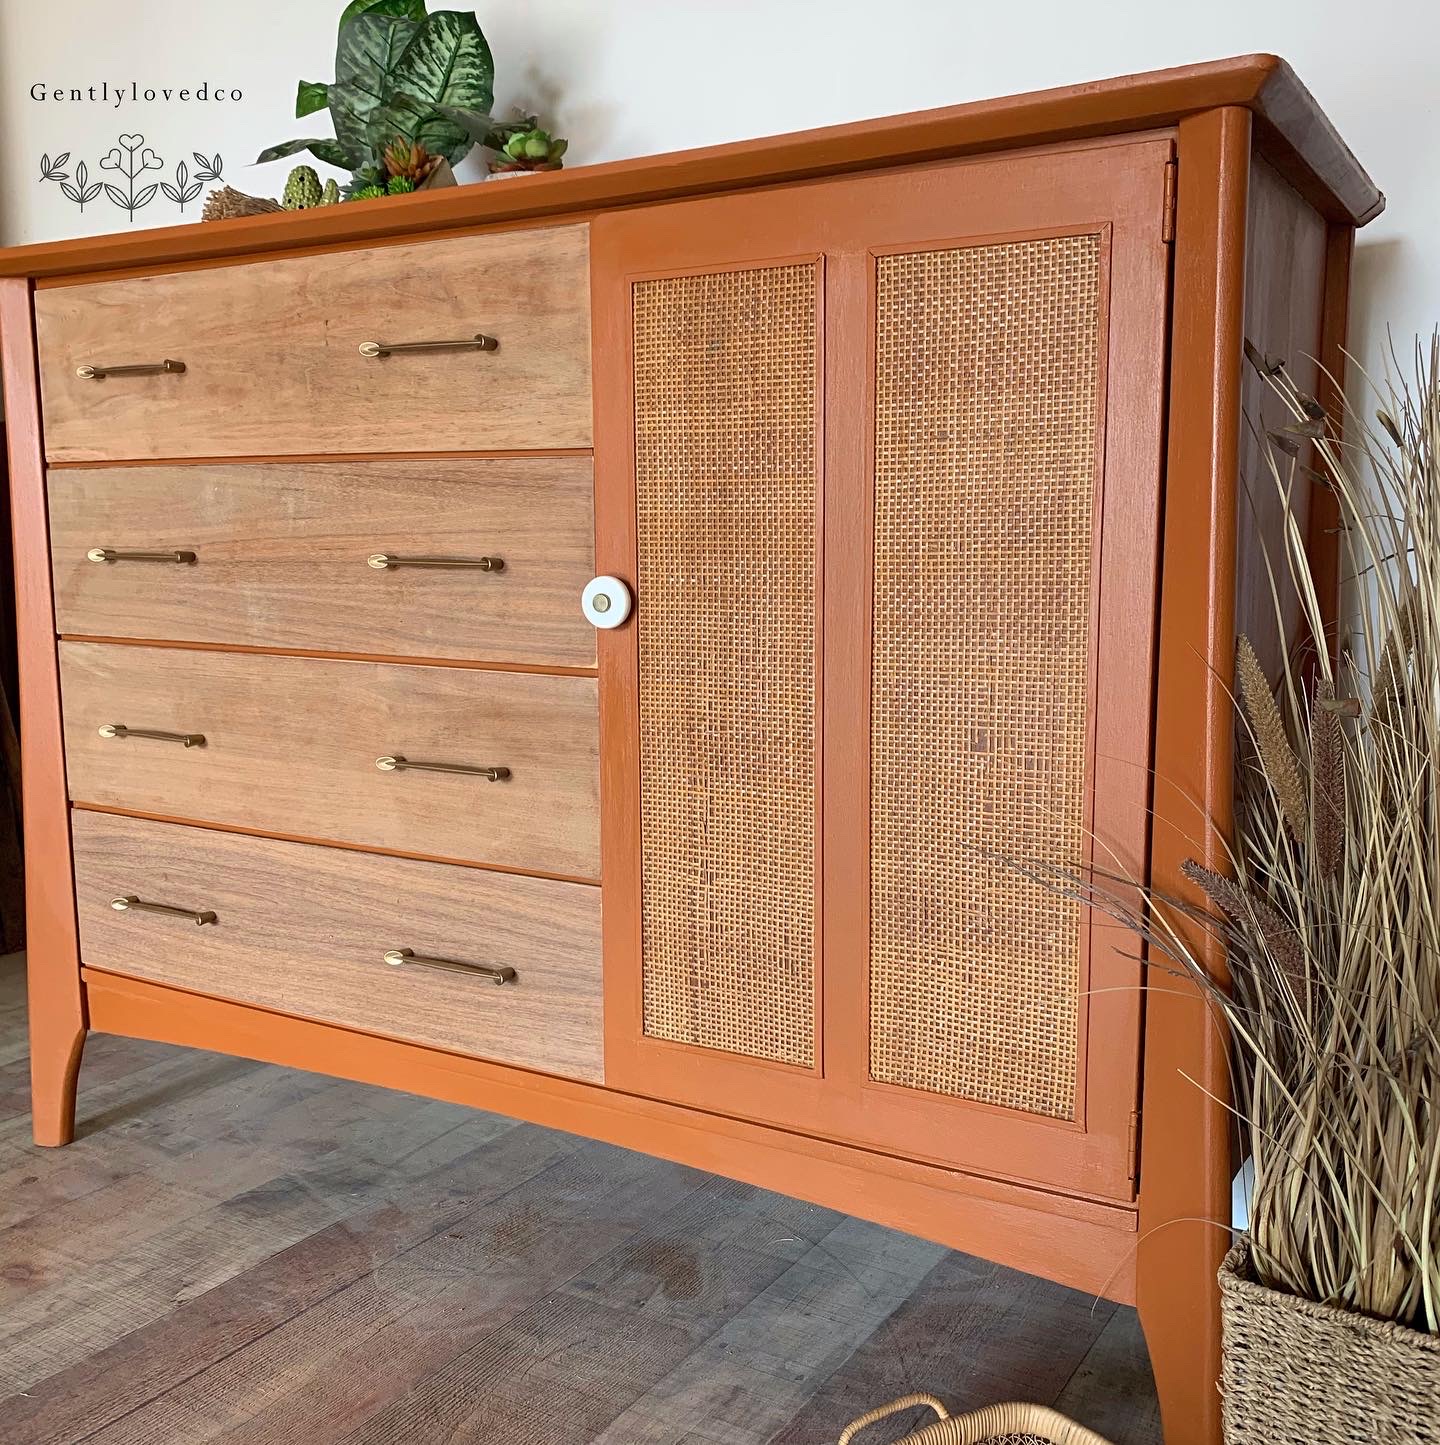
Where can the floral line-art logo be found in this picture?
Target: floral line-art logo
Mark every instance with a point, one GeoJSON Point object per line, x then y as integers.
{"type": "Point", "coordinates": [130, 160]}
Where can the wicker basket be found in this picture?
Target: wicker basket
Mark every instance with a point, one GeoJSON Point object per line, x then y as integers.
{"type": "Point", "coordinates": [1295, 1371]}
{"type": "Point", "coordinates": [994, 1425]}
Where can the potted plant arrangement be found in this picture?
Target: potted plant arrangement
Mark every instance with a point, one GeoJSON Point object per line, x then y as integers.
{"type": "Point", "coordinates": [1330, 922]}
{"type": "Point", "coordinates": [411, 97]}
{"type": "Point", "coordinates": [398, 70]}
{"type": "Point", "coordinates": [526, 151]}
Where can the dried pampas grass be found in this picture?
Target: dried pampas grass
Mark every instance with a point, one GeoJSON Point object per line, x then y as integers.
{"type": "Point", "coordinates": [1331, 918]}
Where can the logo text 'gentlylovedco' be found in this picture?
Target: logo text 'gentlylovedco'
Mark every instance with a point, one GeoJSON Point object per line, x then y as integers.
{"type": "Point", "coordinates": [127, 173]}
{"type": "Point", "coordinates": [133, 93]}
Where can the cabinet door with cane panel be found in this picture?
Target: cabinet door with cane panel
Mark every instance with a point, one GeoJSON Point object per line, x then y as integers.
{"type": "Point", "coordinates": [880, 460]}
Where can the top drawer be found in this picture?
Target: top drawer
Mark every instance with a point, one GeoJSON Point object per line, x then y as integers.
{"type": "Point", "coordinates": [272, 359]}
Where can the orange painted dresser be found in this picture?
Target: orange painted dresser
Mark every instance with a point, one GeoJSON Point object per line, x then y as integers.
{"type": "Point", "coordinates": [908, 463]}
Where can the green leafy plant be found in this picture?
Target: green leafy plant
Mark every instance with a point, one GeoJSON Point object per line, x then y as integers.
{"type": "Point", "coordinates": [400, 74]}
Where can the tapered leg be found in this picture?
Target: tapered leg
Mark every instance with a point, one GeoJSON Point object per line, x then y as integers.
{"type": "Point", "coordinates": [55, 1048]}
{"type": "Point", "coordinates": [1184, 1207]}
{"type": "Point", "coordinates": [57, 998]}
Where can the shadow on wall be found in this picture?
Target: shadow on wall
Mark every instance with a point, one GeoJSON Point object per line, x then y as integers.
{"type": "Point", "coordinates": [1373, 273]}
{"type": "Point", "coordinates": [546, 96]}
{"type": "Point", "coordinates": [545, 64]}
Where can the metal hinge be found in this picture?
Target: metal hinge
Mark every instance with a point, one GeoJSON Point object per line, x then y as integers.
{"type": "Point", "coordinates": [1132, 1148]}
{"type": "Point", "coordinates": [1167, 212]}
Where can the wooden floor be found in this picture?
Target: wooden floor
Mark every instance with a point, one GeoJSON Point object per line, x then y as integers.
{"type": "Point", "coordinates": [236, 1252]}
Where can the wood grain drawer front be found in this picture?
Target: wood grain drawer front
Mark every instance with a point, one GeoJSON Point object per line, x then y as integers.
{"type": "Point", "coordinates": [304, 930]}
{"type": "Point", "coordinates": [272, 361]}
{"type": "Point", "coordinates": [291, 743]}
{"type": "Point", "coordinates": [281, 553]}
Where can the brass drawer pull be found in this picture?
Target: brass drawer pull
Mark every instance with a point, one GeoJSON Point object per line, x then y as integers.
{"type": "Point", "coordinates": [382, 561]}
{"type": "Point", "coordinates": [111, 554]}
{"type": "Point", "coordinates": [396, 957]}
{"type": "Point", "coordinates": [398, 764]}
{"type": "Point", "coordinates": [132, 904]}
{"type": "Point", "coordinates": [144, 368]}
{"type": "Point", "coordinates": [389, 348]}
{"type": "Point", "coordinates": [119, 730]}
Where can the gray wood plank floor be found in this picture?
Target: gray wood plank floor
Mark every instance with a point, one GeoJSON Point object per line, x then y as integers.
{"type": "Point", "coordinates": [236, 1252]}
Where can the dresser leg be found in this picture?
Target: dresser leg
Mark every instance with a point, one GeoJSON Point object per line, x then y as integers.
{"type": "Point", "coordinates": [55, 1049]}
{"type": "Point", "coordinates": [1184, 1210]}
{"type": "Point", "coordinates": [1176, 1306]}
{"type": "Point", "coordinates": [56, 995]}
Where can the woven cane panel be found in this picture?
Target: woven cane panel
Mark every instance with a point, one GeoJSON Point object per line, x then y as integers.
{"type": "Point", "coordinates": [725, 415]}
{"type": "Point", "coordinates": [985, 464]}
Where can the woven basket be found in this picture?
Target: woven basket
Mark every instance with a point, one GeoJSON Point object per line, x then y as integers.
{"type": "Point", "coordinates": [1296, 1371]}
{"type": "Point", "coordinates": [994, 1425]}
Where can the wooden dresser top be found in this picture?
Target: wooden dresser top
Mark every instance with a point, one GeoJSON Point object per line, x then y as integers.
{"type": "Point", "coordinates": [1290, 129]}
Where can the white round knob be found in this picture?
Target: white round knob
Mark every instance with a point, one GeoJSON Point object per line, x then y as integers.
{"type": "Point", "coordinates": [606, 601]}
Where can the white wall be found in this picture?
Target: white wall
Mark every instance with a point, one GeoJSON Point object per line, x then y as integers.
{"type": "Point", "coordinates": [628, 77]}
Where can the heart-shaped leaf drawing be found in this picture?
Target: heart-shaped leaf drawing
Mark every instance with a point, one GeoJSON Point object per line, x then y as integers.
{"type": "Point", "coordinates": [130, 159]}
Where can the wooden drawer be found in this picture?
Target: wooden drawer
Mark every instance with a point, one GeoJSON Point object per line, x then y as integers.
{"type": "Point", "coordinates": [281, 556]}
{"type": "Point", "coordinates": [291, 745]}
{"type": "Point", "coordinates": [273, 365]}
{"type": "Point", "coordinates": [305, 930]}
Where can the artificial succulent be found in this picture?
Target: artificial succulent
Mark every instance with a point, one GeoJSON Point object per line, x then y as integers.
{"type": "Point", "coordinates": [409, 160]}
{"type": "Point", "coordinates": [362, 180]}
{"type": "Point", "coordinates": [530, 150]}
